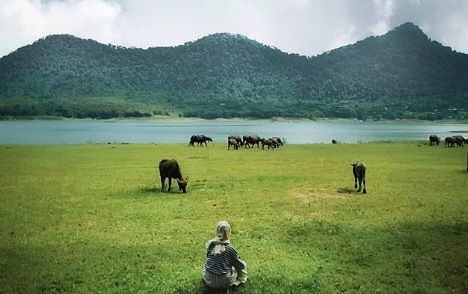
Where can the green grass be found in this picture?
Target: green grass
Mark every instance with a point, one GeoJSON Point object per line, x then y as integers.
{"type": "Point", "coordinates": [91, 218]}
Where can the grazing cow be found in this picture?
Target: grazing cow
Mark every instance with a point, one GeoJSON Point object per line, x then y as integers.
{"type": "Point", "coordinates": [268, 142]}
{"type": "Point", "coordinates": [238, 140]}
{"type": "Point", "coordinates": [275, 141]}
{"type": "Point", "coordinates": [169, 168]}
{"type": "Point", "coordinates": [450, 141]}
{"type": "Point", "coordinates": [233, 143]}
{"type": "Point", "coordinates": [199, 139]}
{"type": "Point", "coordinates": [334, 141]}
{"type": "Point", "coordinates": [434, 140]}
{"type": "Point", "coordinates": [250, 141]}
{"type": "Point", "coordinates": [459, 140]}
{"type": "Point", "coordinates": [359, 172]}
{"type": "Point", "coordinates": [278, 139]}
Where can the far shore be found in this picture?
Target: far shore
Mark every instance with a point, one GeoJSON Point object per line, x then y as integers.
{"type": "Point", "coordinates": [274, 119]}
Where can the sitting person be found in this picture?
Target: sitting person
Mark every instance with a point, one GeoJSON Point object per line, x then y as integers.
{"type": "Point", "coordinates": [223, 267]}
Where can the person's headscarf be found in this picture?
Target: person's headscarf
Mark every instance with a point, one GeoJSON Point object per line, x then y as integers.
{"type": "Point", "coordinates": [223, 232]}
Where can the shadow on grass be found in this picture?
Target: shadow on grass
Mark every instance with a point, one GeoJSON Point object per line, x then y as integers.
{"type": "Point", "coordinates": [345, 190]}
{"type": "Point", "coordinates": [201, 288]}
{"type": "Point", "coordinates": [149, 189]}
{"type": "Point", "coordinates": [153, 190]}
{"type": "Point", "coordinates": [417, 253]}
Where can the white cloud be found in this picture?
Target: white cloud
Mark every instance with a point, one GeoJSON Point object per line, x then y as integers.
{"type": "Point", "coordinates": [343, 37]}
{"type": "Point", "coordinates": [457, 23]}
{"type": "Point", "coordinates": [384, 10]}
{"type": "Point", "coordinates": [24, 21]}
{"type": "Point", "coordinates": [307, 27]}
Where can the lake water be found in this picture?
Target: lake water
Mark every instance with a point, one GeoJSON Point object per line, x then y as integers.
{"type": "Point", "coordinates": [154, 131]}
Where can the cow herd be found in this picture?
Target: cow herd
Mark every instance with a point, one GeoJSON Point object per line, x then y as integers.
{"type": "Point", "coordinates": [234, 142]}
{"type": "Point", "coordinates": [451, 141]}
{"type": "Point", "coordinates": [251, 141]}
{"type": "Point", "coordinates": [170, 169]}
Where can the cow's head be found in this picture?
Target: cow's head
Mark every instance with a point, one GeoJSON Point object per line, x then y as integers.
{"type": "Point", "coordinates": [182, 185]}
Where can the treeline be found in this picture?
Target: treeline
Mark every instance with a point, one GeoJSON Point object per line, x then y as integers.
{"type": "Point", "coordinates": [402, 74]}
{"type": "Point", "coordinates": [190, 106]}
{"type": "Point", "coordinates": [95, 107]}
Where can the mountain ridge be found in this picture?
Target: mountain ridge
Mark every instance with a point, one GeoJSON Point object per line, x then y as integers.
{"type": "Point", "coordinates": [401, 74]}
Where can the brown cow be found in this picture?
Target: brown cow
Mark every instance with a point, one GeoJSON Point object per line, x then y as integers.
{"type": "Point", "coordinates": [250, 141]}
{"type": "Point", "coordinates": [169, 168]}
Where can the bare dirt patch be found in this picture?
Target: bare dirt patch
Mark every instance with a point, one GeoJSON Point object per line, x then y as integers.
{"type": "Point", "coordinates": [312, 194]}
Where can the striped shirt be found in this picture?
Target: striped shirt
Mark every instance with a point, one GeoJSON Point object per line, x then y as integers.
{"type": "Point", "coordinates": [222, 263]}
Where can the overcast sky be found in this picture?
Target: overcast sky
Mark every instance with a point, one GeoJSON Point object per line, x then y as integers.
{"type": "Point", "coordinates": [306, 27]}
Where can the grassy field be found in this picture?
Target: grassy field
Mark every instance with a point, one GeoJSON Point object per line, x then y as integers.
{"type": "Point", "coordinates": [91, 218]}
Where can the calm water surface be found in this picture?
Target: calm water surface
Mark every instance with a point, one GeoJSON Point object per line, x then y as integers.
{"type": "Point", "coordinates": [146, 131]}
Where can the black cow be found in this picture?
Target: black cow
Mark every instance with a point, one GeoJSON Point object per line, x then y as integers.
{"type": "Point", "coordinates": [268, 142]}
{"type": "Point", "coordinates": [275, 142]}
{"type": "Point", "coordinates": [434, 140]}
{"type": "Point", "coordinates": [250, 141]}
{"type": "Point", "coordinates": [199, 139]}
{"type": "Point", "coordinates": [169, 168]}
{"type": "Point", "coordinates": [279, 141]}
{"type": "Point", "coordinates": [359, 172]}
{"type": "Point", "coordinates": [238, 140]}
{"type": "Point", "coordinates": [459, 140]}
{"type": "Point", "coordinates": [450, 141]}
{"type": "Point", "coordinates": [233, 143]}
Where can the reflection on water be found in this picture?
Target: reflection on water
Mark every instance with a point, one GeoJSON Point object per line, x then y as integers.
{"type": "Point", "coordinates": [146, 131]}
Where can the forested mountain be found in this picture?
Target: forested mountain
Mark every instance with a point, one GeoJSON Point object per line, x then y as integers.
{"type": "Point", "coordinates": [402, 74]}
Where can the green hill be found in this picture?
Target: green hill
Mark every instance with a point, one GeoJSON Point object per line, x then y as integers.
{"type": "Point", "coordinates": [402, 74]}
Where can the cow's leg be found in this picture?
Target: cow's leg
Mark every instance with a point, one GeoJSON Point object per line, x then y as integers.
{"type": "Point", "coordinates": [355, 182]}
{"type": "Point", "coordinates": [360, 182]}
{"type": "Point", "coordinates": [170, 182]}
{"type": "Point", "coordinates": [163, 179]}
{"type": "Point", "coordinates": [364, 185]}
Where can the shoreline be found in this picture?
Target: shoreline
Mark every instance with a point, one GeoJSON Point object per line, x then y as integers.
{"type": "Point", "coordinates": [236, 119]}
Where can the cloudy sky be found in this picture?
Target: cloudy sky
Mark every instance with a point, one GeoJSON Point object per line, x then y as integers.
{"type": "Point", "coordinates": [306, 27]}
